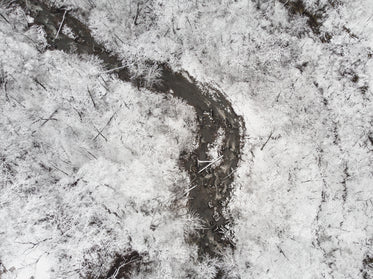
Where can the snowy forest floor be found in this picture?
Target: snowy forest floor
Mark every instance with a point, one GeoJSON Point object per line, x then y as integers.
{"type": "Point", "coordinates": [90, 164]}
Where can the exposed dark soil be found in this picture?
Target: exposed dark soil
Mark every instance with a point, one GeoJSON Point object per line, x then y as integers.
{"type": "Point", "coordinates": [314, 18]}
{"type": "Point", "coordinates": [214, 185]}
{"type": "Point", "coordinates": [367, 270]}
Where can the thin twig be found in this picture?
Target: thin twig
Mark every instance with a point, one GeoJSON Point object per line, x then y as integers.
{"type": "Point", "coordinates": [282, 252]}
{"type": "Point", "coordinates": [203, 161]}
{"type": "Point", "coordinates": [93, 101]}
{"type": "Point", "coordinates": [229, 175]}
{"type": "Point", "coordinates": [5, 18]}
{"type": "Point", "coordinates": [119, 38]}
{"type": "Point", "coordinates": [79, 113]}
{"type": "Point", "coordinates": [100, 131]}
{"type": "Point", "coordinates": [111, 70]}
{"type": "Point", "coordinates": [137, 14]}
{"type": "Point", "coordinates": [63, 19]}
{"type": "Point", "coordinates": [18, 102]}
{"type": "Point", "coordinates": [90, 153]}
{"type": "Point", "coordinates": [38, 82]}
{"type": "Point", "coordinates": [60, 169]}
{"type": "Point", "coordinates": [190, 189]}
{"type": "Point", "coordinates": [269, 137]}
{"type": "Point", "coordinates": [49, 118]}
{"type": "Point", "coordinates": [99, 134]}
{"type": "Point", "coordinates": [114, 276]}
{"type": "Point", "coordinates": [211, 164]}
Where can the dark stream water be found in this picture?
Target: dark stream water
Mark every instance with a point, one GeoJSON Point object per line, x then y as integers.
{"type": "Point", "coordinates": [214, 185]}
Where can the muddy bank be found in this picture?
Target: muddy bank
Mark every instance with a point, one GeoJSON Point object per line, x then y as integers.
{"type": "Point", "coordinates": [213, 187]}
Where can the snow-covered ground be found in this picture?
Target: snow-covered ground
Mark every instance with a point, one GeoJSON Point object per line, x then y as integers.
{"type": "Point", "coordinates": [89, 166]}
{"type": "Point", "coordinates": [89, 163]}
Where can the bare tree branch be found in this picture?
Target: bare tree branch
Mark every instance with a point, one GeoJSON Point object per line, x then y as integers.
{"type": "Point", "coordinates": [269, 137]}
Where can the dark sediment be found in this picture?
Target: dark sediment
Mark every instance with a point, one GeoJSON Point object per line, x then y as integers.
{"type": "Point", "coordinates": [213, 186]}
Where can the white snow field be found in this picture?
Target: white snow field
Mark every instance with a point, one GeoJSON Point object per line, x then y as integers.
{"type": "Point", "coordinates": [89, 164]}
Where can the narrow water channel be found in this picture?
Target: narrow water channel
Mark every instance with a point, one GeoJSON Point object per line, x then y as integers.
{"type": "Point", "coordinates": [212, 186]}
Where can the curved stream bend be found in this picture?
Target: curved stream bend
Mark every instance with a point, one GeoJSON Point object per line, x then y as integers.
{"type": "Point", "coordinates": [214, 112]}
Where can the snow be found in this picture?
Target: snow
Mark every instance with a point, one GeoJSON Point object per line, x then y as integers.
{"type": "Point", "coordinates": [302, 204]}
{"type": "Point", "coordinates": [215, 148]}
{"type": "Point", "coordinates": [89, 167]}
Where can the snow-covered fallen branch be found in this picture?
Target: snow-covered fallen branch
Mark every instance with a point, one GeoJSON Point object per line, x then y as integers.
{"type": "Point", "coordinates": [59, 29]}
{"type": "Point", "coordinates": [114, 276]}
{"type": "Point", "coordinates": [110, 70]}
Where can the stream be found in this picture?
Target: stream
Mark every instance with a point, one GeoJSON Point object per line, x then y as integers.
{"type": "Point", "coordinates": [212, 186]}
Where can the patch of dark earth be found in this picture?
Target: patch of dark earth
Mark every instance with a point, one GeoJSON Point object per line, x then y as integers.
{"type": "Point", "coordinates": [367, 270]}
{"type": "Point", "coordinates": [314, 18]}
{"type": "Point", "coordinates": [214, 185]}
